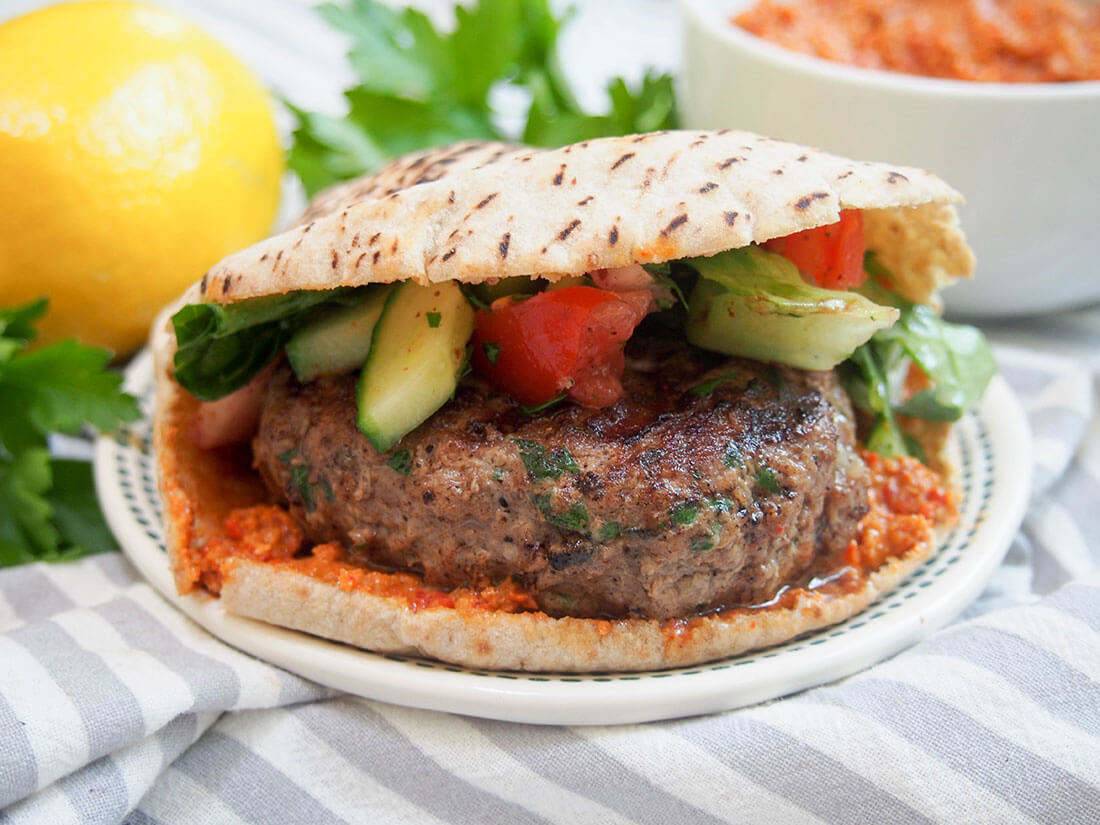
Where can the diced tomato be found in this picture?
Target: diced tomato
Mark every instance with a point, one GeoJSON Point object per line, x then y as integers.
{"type": "Point", "coordinates": [566, 340]}
{"type": "Point", "coordinates": [830, 256]}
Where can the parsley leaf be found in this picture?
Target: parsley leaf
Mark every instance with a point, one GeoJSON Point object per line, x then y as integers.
{"type": "Point", "coordinates": [765, 477]}
{"type": "Point", "coordinates": [609, 531]}
{"type": "Point", "coordinates": [575, 518]}
{"type": "Point", "coordinates": [472, 297]}
{"type": "Point", "coordinates": [328, 149]}
{"type": "Point", "coordinates": [535, 409]}
{"type": "Point", "coordinates": [60, 388]}
{"type": "Point", "coordinates": [48, 508]}
{"type": "Point", "coordinates": [707, 387]}
{"type": "Point", "coordinates": [76, 513]}
{"type": "Point", "coordinates": [554, 122]}
{"type": "Point", "coordinates": [418, 86]}
{"type": "Point", "coordinates": [401, 462]}
{"type": "Point", "coordinates": [700, 544]}
{"type": "Point", "coordinates": [684, 513]}
{"type": "Point", "coordinates": [17, 326]}
{"type": "Point", "coordinates": [542, 463]}
{"type": "Point", "coordinates": [26, 533]}
{"type": "Point", "coordinates": [300, 473]}
{"type": "Point", "coordinates": [492, 352]}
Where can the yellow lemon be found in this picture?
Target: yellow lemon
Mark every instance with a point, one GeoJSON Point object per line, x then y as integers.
{"type": "Point", "coordinates": [135, 151]}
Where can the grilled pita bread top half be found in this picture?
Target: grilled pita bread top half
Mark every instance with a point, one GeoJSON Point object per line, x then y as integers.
{"type": "Point", "coordinates": [481, 211]}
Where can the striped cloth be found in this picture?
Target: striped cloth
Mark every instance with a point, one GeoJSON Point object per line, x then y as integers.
{"type": "Point", "coordinates": [116, 708]}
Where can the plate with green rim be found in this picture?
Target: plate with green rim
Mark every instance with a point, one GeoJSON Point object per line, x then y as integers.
{"type": "Point", "coordinates": [990, 448]}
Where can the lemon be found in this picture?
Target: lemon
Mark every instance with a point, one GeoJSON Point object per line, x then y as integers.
{"type": "Point", "coordinates": [135, 151]}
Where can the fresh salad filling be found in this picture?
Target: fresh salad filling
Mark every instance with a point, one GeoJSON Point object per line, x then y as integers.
{"type": "Point", "coordinates": [816, 299]}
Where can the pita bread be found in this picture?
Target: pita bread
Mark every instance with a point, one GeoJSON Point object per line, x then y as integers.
{"type": "Point", "coordinates": [492, 211]}
{"type": "Point", "coordinates": [479, 211]}
{"type": "Point", "coordinates": [535, 641]}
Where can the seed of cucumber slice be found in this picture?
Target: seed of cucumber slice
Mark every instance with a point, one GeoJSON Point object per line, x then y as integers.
{"type": "Point", "coordinates": [340, 340]}
{"type": "Point", "coordinates": [418, 348]}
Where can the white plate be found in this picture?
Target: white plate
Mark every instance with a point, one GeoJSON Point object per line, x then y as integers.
{"type": "Point", "coordinates": [993, 452]}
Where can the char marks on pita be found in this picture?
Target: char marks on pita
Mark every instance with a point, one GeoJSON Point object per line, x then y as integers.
{"type": "Point", "coordinates": [445, 214]}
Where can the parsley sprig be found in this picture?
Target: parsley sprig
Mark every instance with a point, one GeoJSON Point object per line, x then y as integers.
{"type": "Point", "coordinates": [48, 509]}
{"type": "Point", "coordinates": [419, 87]}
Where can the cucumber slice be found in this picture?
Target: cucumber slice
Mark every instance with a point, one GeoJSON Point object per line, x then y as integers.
{"type": "Point", "coordinates": [338, 341]}
{"type": "Point", "coordinates": [753, 303]}
{"type": "Point", "coordinates": [412, 369]}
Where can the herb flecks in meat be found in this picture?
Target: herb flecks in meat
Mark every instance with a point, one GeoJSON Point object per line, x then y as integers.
{"type": "Point", "coordinates": [542, 463]}
{"type": "Point", "coordinates": [765, 477]}
{"type": "Point", "coordinates": [684, 514]}
{"type": "Point", "coordinates": [401, 462]}
{"type": "Point", "coordinates": [707, 387]}
{"type": "Point", "coordinates": [574, 518]}
{"type": "Point", "coordinates": [300, 473]}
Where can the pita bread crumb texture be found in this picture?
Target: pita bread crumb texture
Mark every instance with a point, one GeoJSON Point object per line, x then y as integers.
{"type": "Point", "coordinates": [477, 211]}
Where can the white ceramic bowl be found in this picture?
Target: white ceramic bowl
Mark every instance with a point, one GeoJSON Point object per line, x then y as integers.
{"type": "Point", "coordinates": [1026, 156]}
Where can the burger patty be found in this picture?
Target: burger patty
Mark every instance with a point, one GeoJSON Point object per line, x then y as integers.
{"type": "Point", "coordinates": [712, 483]}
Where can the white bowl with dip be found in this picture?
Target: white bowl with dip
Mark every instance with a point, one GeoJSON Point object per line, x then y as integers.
{"type": "Point", "coordinates": [1025, 155]}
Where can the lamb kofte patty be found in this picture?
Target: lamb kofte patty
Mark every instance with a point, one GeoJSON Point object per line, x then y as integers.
{"type": "Point", "coordinates": [712, 483]}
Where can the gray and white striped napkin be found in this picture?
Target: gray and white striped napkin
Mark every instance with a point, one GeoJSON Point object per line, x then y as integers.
{"type": "Point", "coordinates": [116, 708]}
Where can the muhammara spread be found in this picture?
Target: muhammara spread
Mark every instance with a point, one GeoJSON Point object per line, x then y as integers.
{"type": "Point", "coordinates": [998, 41]}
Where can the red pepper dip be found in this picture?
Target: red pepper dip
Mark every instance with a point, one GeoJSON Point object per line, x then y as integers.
{"type": "Point", "coordinates": [998, 41]}
{"type": "Point", "coordinates": [269, 534]}
{"type": "Point", "coordinates": [907, 502]}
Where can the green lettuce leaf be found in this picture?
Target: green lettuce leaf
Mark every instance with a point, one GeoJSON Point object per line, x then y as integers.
{"type": "Point", "coordinates": [222, 348]}
{"type": "Point", "coordinates": [956, 358]}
